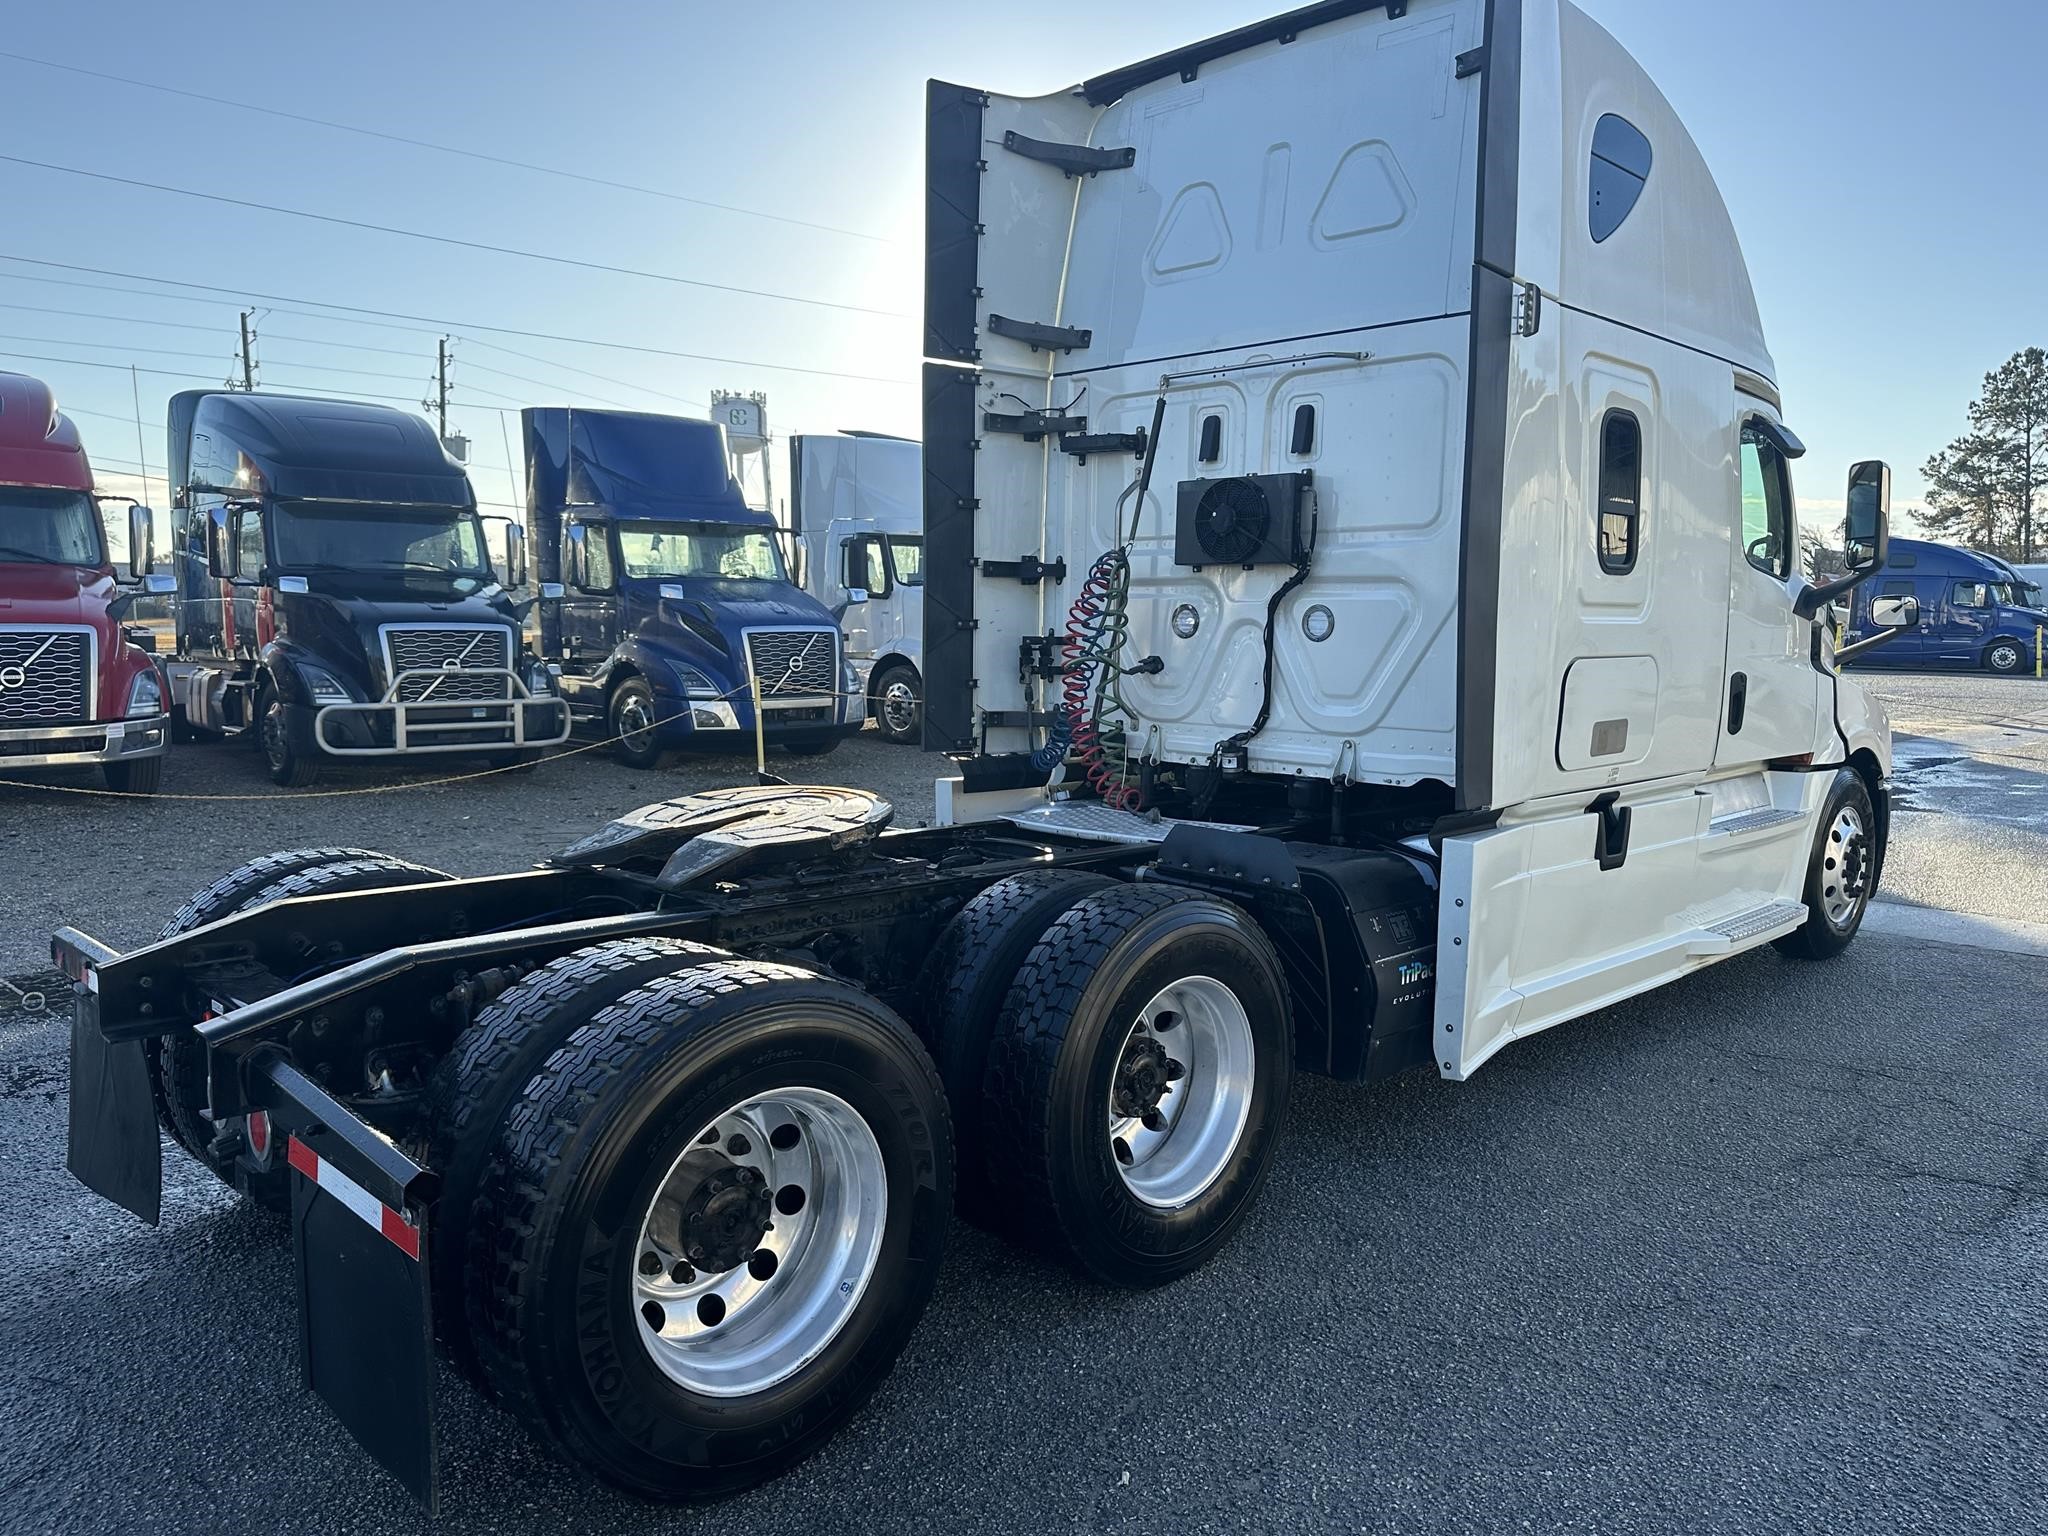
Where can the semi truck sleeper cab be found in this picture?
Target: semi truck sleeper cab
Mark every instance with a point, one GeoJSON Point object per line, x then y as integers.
{"type": "Point", "coordinates": [335, 594]}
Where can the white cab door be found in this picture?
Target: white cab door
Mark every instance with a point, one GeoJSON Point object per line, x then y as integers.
{"type": "Point", "coordinates": [1772, 693]}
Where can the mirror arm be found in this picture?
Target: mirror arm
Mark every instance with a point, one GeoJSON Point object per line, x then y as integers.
{"type": "Point", "coordinates": [1813, 599]}
{"type": "Point", "coordinates": [1864, 647]}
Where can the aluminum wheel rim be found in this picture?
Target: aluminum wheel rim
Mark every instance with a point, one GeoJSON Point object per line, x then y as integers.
{"type": "Point", "coordinates": [1169, 1155]}
{"type": "Point", "coordinates": [634, 723]}
{"type": "Point", "coordinates": [274, 745]}
{"type": "Point", "coordinates": [2005, 657]}
{"type": "Point", "coordinates": [1844, 874]}
{"type": "Point", "coordinates": [737, 1331]}
{"type": "Point", "coordinates": [899, 707]}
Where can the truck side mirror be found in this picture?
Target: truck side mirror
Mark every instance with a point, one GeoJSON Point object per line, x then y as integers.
{"type": "Point", "coordinates": [1894, 612]}
{"type": "Point", "coordinates": [216, 549]}
{"type": "Point", "coordinates": [159, 585]}
{"type": "Point", "coordinates": [1868, 526]}
{"type": "Point", "coordinates": [856, 594]}
{"type": "Point", "coordinates": [515, 555]}
{"type": "Point", "coordinates": [576, 556]}
{"type": "Point", "coordinates": [552, 591]}
{"type": "Point", "coordinates": [141, 541]}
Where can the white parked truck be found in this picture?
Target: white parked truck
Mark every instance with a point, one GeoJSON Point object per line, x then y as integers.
{"type": "Point", "coordinates": [856, 516]}
{"type": "Point", "coordinates": [1361, 602]}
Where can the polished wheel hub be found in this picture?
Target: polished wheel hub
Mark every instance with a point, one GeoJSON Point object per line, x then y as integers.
{"type": "Point", "coordinates": [760, 1242]}
{"type": "Point", "coordinates": [1181, 1092]}
{"type": "Point", "coordinates": [899, 707]}
{"type": "Point", "coordinates": [1845, 868]}
{"type": "Point", "coordinates": [634, 723]}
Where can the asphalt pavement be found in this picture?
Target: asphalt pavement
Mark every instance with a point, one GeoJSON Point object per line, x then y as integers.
{"type": "Point", "coordinates": [1766, 1250]}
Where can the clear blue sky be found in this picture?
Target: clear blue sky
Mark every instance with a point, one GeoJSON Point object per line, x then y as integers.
{"type": "Point", "coordinates": [1883, 161]}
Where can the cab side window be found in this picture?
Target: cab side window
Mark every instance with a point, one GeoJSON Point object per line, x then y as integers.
{"type": "Point", "coordinates": [1767, 530]}
{"type": "Point", "coordinates": [1970, 594]}
{"type": "Point", "coordinates": [597, 558]}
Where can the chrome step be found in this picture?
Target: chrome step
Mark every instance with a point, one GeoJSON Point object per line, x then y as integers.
{"type": "Point", "coordinates": [1752, 821]}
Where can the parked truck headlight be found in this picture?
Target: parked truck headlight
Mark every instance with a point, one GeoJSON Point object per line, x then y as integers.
{"type": "Point", "coordinates": [146, 696]}
{"type": "Point", "coordinates": [322, 686]}
{"type": "Point", "coordinates": [695, 684]}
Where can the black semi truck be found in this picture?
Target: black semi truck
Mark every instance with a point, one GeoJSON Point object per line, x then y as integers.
{"type": "Point", "coordinates": [335, 593]}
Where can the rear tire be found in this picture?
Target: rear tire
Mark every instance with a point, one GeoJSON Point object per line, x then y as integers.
{"type": "Point", "coordinates": [485, 1071]}
{"type": "Point", "coordinates": [1840, 872]}
{"type": "Point", "coordinates": [141, 776]}
{"type": "Point", "coordinates": [603, 1373]}
{"type": "Point", "coordinates": [962, 987]}
{"type": "Point", "coordinates": [898, 704]}
{"type": "Point", "coordinates": [1137, 1082]}
{"type": "Point", "coordinates": [177, 1064]}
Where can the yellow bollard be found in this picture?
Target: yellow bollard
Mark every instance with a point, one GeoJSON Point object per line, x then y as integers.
{"type": "Point", "coordinates": [2038, 628]}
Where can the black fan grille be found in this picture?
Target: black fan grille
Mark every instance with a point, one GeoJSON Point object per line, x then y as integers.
{"type": "Point", "coordinates": [1231, 521]}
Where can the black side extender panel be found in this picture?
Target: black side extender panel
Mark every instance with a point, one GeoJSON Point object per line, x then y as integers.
{"type": "Point", "coordinates": [1356, 931]}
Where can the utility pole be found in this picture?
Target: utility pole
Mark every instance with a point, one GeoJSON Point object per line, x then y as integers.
{"type": "Point", "coordinates": [441, 386]}
{"type": "Point", "coordinates": [248, 366]}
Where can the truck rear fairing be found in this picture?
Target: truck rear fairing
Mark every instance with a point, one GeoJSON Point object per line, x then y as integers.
{"type": "Point", "coordinates": [1469, 504]}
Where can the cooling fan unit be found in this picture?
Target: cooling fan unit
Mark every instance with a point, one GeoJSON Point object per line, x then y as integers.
{"type": "Point", "coordinates": [1241, 520]}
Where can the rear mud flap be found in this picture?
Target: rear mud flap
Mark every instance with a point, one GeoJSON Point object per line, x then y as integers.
{"type": "Point", "coordinates": [366, 1323]}
{"type": "Point", "coordinates": [113, 1148]}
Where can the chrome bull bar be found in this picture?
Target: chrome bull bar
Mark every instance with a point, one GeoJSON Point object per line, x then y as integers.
{"type": "Point", "coordinates": [423, 724]}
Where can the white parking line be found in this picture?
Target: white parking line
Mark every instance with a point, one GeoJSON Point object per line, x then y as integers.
{"type": "Point", "coordinates": [2007, 935]}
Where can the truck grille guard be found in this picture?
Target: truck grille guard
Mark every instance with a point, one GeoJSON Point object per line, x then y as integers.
{"type": "Point", "coordinates": [421, 723]}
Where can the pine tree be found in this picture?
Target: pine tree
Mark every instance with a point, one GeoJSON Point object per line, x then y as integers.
{"type": "Point", "coordinates": [1987, 486]}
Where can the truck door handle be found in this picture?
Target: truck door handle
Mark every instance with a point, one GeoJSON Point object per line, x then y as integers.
{"type": "Point", "coordinates": [1738, 701]}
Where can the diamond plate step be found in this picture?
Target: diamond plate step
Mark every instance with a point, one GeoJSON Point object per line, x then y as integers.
{"type": "Point", "coordinates": [1753, 821]}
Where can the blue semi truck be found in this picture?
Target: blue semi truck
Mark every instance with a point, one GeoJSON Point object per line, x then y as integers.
{"type": "Point", "coordinates": [677, 598]}
{"type": "Point", "coordinates": [1975, 610]}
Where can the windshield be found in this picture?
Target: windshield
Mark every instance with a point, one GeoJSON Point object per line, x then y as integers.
{"type": "Point", "coordinates": [40, 527]}
{"type": "Point", "coordinates": [2017, 594]}
{"type": "Point", "coordinates": [315, 536]}
{"type": "Point", "coordinates": [700, 549]}
{"type": "Point", "coordinates": [906, 558]}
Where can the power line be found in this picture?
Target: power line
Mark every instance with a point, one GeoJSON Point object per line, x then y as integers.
{"type": "Point", "coordinates": [454, 240]}
{"type": "Point", "coordinates": [549, 362]}
{"type": "Point", "coordinates": [445, 149]}
{"type": "Point", "coordinates": [389, 315]}
{"type": "Point", "coordinates": [111, 346]}
{"type": "Point", "coordinates": [89, 314]}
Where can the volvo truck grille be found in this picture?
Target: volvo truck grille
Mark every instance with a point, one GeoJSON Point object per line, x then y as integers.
{"type": "Point", "coordinates": [450, 651]}
{"type": "Point", "coordinates": [45, 677]}
{"type": "Point", "coordinates": [792, 662]}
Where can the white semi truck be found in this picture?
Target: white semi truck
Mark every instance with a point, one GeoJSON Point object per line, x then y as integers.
{"type": "Point", "coordinates": [1361, 604]}
{"type": "Point", "coordinates": [856, 518]}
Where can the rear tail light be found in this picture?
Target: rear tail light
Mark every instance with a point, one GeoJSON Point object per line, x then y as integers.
{"type": "Point", "coordinates": [258, 1133]}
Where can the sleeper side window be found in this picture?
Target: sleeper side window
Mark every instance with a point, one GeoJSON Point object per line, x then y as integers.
{"type": "Point", "coordinates": [1619, 172]}
{"type": "Point", "coordinates": [1766, 505]}
{"type": "Point", "coordinates": [1620, 491]}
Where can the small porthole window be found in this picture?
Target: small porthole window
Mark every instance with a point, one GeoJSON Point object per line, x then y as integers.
{"type": "Point", "coordinates": [1304, 438]}
{"type": "Point", "coordinates": [1212, 439]}
{"type": "Point", "coordinates": [1620, 171]}
{"type": "Point", "coordinates": [1621, 491]}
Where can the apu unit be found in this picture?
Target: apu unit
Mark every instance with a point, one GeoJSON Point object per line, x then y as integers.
{"type": "Point", "coordinates": [1242, 520]}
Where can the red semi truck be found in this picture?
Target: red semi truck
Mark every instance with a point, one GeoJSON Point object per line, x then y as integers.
{"type": "Point", "coordinates": [75, 687]}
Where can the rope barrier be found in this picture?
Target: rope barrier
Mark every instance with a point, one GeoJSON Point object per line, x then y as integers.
{"type": "Point", "coordinates": [760, 749]}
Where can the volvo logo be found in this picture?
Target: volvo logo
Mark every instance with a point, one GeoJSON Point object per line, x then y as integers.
{"type": "Point", "coordinates": [15, 674]}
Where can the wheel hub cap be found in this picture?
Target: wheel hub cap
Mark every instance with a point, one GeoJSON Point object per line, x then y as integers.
{"type": "Point", "coordinates": [899, 706]}
{"type": "Point", "coordinates": [1181, 1092]}
{"type": "Point", "coordinates": [1845, 867]}
{"type": "Point", "coordinates": [760, 1242]}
